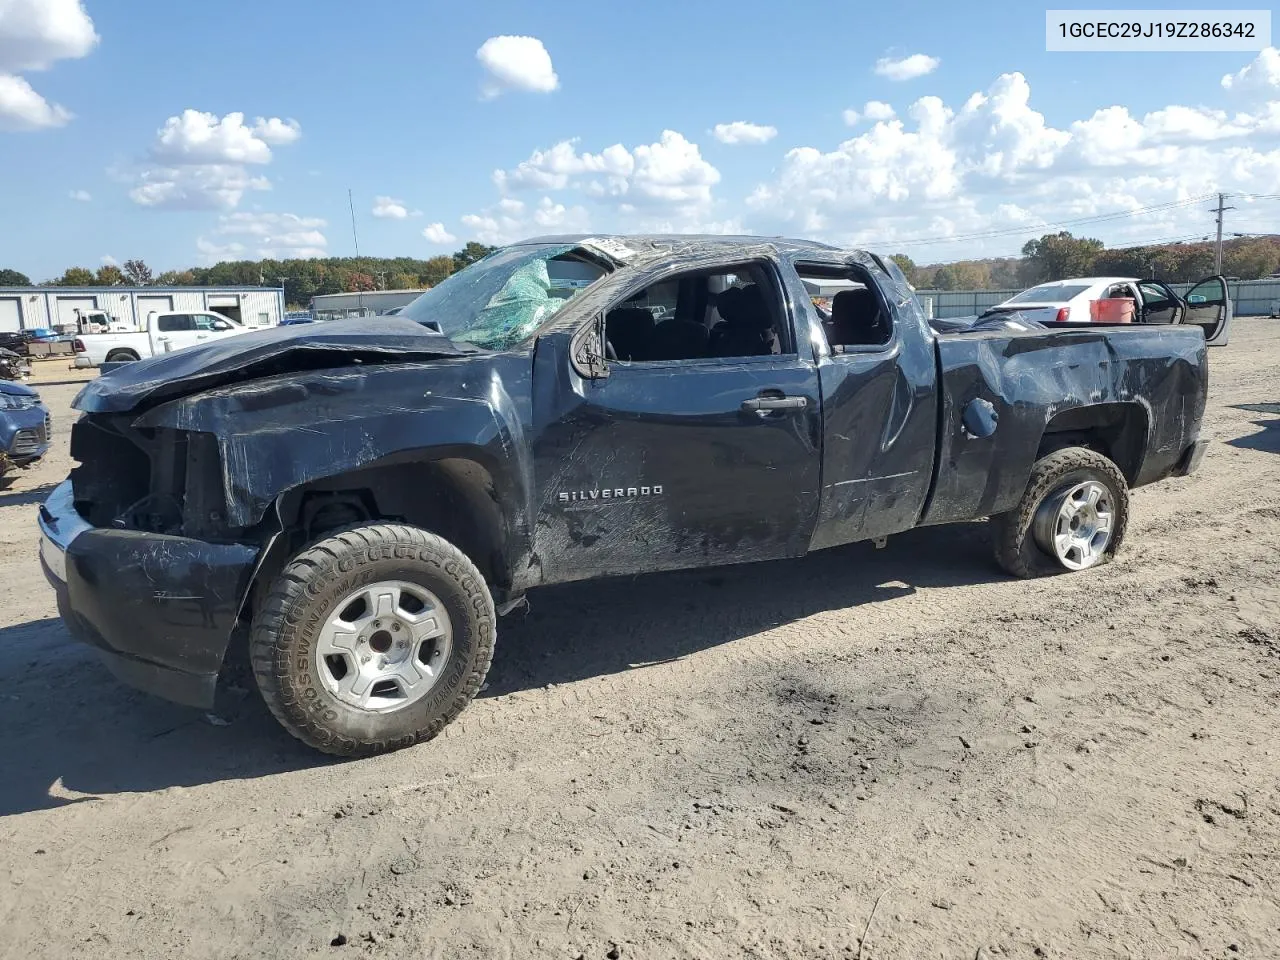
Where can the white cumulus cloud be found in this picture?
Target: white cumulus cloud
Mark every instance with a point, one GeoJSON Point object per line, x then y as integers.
{"type": "Point", "coordinates": [1261, 75]}
{"type": "Point", "coordinates": [878, 110]}
{"type": "Point", "coordinates": [198, 137]}
{"type": "Point", "coordinates": [510, 219]}
{"type": "Point", "coordinates": [906, 68]}
{"type": "Point", "coordinates": [436, 233]}
{"type": "Point", "coordinates": [740, 131]}
{"type": "Point", "coordinates": [389, 208]}
{"type": "Point", "coordinates": [278, 236]}
{"type": "Point", "coordinates": [994, 162]}
{"type": "Point", "coordinates": [203, 161]}
{"type": "Point", "coordinates": [670, 171]}
{"type": "Point", "coordinates": [851, 117]}
{"type": "Point", "coordinates": [81, 195]}
{"type": "Point", "coordinates": [21, 108]}
{"type": "Point", "coordinates": [34, 35]}
{"type": "Point", "coordinates": [516, 63]}
{"type": "Point", "coordinates": [275, 131]}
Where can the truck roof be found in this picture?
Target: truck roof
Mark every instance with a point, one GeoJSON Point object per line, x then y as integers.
{"type": "Point", "coordinates": [664, 241]}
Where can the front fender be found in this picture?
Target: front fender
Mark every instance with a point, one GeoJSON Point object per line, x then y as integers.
{"type": "Point", "coordinates": [279, 434]}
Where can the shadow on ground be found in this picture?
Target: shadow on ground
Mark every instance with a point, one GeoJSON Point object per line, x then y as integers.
{"type": "Point", "coordinates": [23, 498]}
{"type": "Point", "coordinates": [1268, 438]}
{"type": "Point", "coordinates": [583, 630]}
{"type": "Point", "coordinates": [73, 734]}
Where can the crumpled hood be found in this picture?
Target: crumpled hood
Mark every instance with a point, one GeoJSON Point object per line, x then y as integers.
{"type": "Point", "coordinates": [285, 349]}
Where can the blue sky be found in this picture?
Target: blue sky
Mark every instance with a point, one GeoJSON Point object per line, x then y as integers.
{"type": "Point", "coordinates": [389, 101]}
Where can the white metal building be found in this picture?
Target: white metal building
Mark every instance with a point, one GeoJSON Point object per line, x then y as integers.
{"type": "Point", "coordinates": [335, 306]}
{"type": "Point", "coordinates": [32, 308]}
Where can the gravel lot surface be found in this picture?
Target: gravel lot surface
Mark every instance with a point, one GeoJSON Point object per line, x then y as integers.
{"type": "Point", "coordinates": [892, 754]}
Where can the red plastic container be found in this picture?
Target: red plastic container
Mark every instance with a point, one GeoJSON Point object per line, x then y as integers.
{"type": "Point", "coordinates": [1112, 310]}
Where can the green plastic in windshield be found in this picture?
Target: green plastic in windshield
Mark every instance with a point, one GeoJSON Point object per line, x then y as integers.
{"type": "Point", "coordinates": [503, 299]}
{"type": "Point", "coordinates": [522, 305]}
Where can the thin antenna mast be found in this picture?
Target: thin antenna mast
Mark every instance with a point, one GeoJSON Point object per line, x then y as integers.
{"type": "Point", "coordinates": [355, 238]}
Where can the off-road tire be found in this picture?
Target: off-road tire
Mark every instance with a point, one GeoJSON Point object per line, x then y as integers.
{"type": "Point", "coordinates": [1015, 544]}
{"type": "Point", "coordinates": [302, 598]}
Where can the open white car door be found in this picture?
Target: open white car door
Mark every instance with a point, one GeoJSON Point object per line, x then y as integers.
{"type": "Point", "coordinates": [1209, 306]}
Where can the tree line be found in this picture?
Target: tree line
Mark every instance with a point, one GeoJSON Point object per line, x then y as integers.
{"type": "Point", "coordinates": [1054, 256]}
{"type": "Point", "coordinates": [1058, 256]}
{"type": "Point", "coordinates": [301, 279]}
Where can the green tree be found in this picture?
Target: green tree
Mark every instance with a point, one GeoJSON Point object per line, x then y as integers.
{"type": "Point", "coordinates": [137, 273]}
{"type": "Point", "coordinates": [404, 281]}
{"type": "Point", "coordinates": [436, 270]}
{"type": "Point", "coordinates": [906, 265]}
{"type": "Point", "coordinates": [1059, 256]}
{"type": "Point", "coordinates": [109, 275]}
{"type": "Point", "coordinates": [176, 278]}
{"type": "Point", "coordinates": [470, 254]}
{"type": "Point", "coordinates": [12, 278]}
{"type": "Point", "coordinates": [75, 277]}
{"type": "Point", "coordinates": [963, 275]}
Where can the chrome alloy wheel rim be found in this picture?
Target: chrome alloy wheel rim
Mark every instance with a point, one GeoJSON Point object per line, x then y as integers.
{"type": "Point", "coordinates": [384, 646]}
{"type": "Point", "coordinates": [1075, 524]}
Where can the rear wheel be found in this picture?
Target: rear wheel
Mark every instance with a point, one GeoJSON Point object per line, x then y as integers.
{"type": "Point", "coordinates": [1072, 516]}
{"type": "Point", "coordinates": [121, 356]}
{"type": "Point", "coordinates": [373, 639]}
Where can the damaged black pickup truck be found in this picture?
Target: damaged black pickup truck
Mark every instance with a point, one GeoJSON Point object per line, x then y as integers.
{"type": "Point", "coordinates": [357, 501]}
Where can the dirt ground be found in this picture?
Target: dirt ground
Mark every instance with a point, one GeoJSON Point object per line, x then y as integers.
{"type": "Point", "coordinates": [892, 754]}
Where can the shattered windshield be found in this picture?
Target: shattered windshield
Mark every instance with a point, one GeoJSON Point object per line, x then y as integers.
{"type": "Point", "coordinates": [500, 300]}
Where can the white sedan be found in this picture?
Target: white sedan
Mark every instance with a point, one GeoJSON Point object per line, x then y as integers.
{"type": "Point", "coordinates": [1207, 304]}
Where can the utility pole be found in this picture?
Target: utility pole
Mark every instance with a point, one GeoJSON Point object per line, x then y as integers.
{"type": "Point", "coordinates": [1217, 249]}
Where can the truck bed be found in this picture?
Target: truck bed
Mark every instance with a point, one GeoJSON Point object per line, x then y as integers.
{"type": "Point", "coordinates": [1151, 380]}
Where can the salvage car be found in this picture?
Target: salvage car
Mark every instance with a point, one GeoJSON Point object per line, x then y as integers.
{"type": "Point", "coordinates": [25, 428]}
{"type": "Point", "coordinates": [1207, 304]}
{"type": "Point", "coordinates": [353, 504]}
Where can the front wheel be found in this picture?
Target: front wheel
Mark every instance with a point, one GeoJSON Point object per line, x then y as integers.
{"type": "Point", "coordinates": [372, 639]}
{"type": "Point", "coordinates": [1072, 516]}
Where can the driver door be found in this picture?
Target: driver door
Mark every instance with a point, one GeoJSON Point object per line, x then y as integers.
{"type": "Point", "coordinates": [1209, 307]}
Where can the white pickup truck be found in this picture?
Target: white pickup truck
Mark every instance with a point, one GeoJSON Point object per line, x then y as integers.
{"type": "Point", "coordinates": [164, 333]}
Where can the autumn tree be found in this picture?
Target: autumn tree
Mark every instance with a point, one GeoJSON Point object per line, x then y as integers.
{"type": "Point", "coordinates": [1251, 260]}
{"type": "Point", "coordinates": [137, 273]}
{"type": "Point", "coordinates": [358, 282]}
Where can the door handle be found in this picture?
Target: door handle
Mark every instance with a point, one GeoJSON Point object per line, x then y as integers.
{"type": "Point", "coordinates": [202, 336]}
{"type": "Point", "coordinates": [762, 405]}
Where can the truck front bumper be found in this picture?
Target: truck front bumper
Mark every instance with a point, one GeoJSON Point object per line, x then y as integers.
{"type": "Point", "coordinates": [159, 608]}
